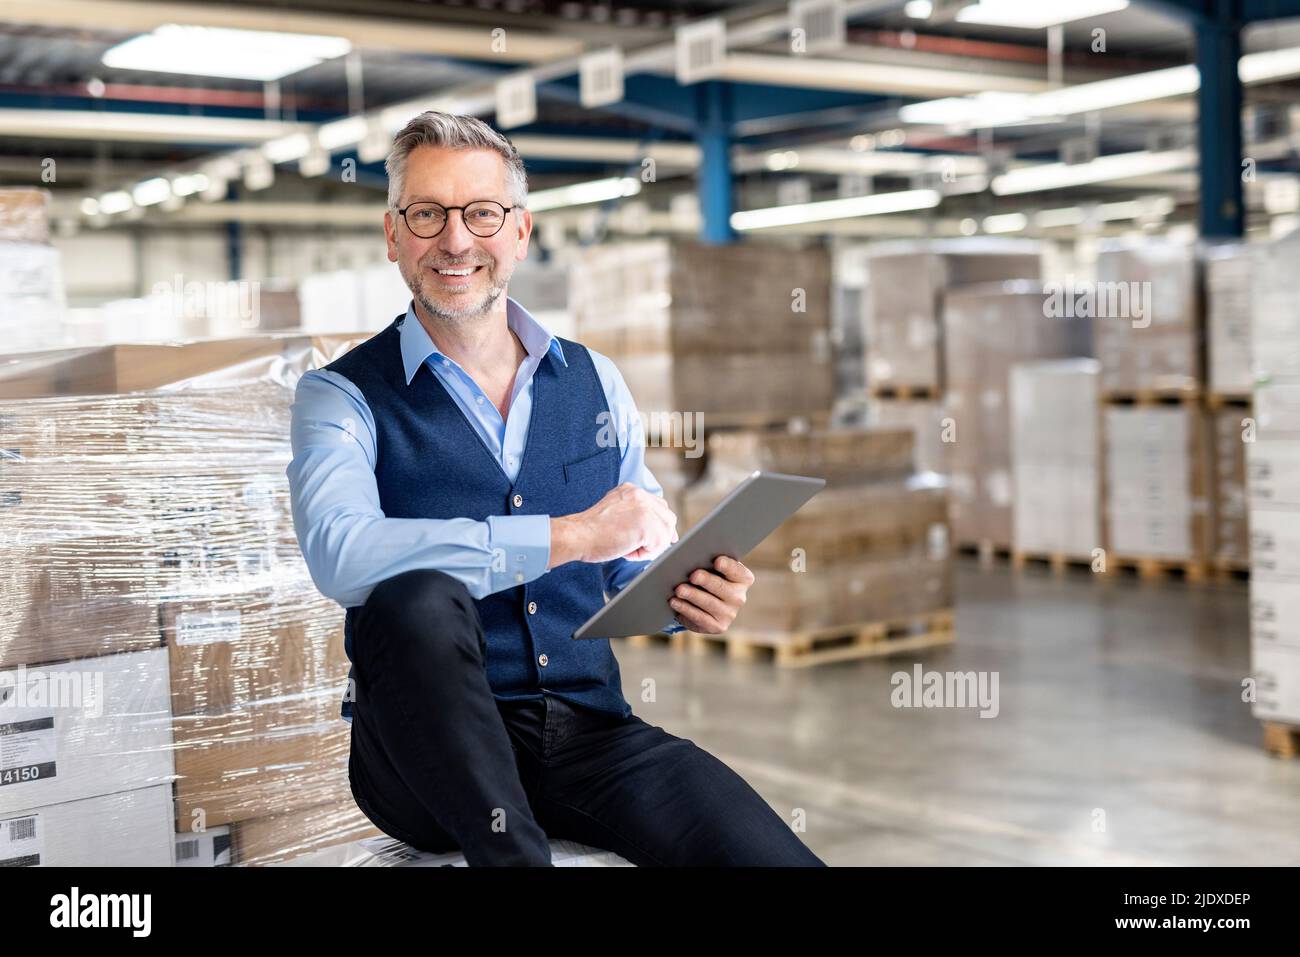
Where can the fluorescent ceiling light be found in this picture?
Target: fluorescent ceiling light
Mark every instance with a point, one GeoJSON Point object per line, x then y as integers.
{"type": "Point", "coordinates": [217, 51]}
{"type": "Point", "coordinates": [918, 9]}
{"type": "Point", "coordinates": [288, 148]}
{"type": "Point", "coordinates": [189, 184]}
{"type": "Point", "coordinates": [151, 191]}
{"type": "Point", "coordinates": [1035, 14]}
{"type": "Point", "coordinates": [346, 132]}
{"type": "Point", "coordinates": [1005, 223]}
{"type": "Point", "coordinates": [90, 206]}
{"type": "Point", "coordinates": [579, 194]}
{"type": "Point", "coordinates": [118, 201]}
{"type": "Point", "coordinates": [1103, 169]}
{"type": "Point", "coordinates": [797, 213]}
{"type": "Point", "coordinates": [982, 109]}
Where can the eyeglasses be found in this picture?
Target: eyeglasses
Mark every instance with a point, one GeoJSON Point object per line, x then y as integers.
{"type": "Point", "coordinates": [483, 218]}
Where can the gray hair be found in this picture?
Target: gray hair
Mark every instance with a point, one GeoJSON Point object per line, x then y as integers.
{"type": "Point", "coordinates": [432, 128]}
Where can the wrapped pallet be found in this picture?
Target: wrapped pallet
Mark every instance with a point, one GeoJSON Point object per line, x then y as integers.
{"type": "Point", "coordinates": [695, 328]}
{"type": "Point", "coordinates": [1157, 482]}
{"type": "Point", "coordinates": [148, 539]}
{"type": "Point", "coordinates": [988, 330]}
{"type": "Point", "coordinates": [1056, 458]}
{"type": "Point", "coordinates": [903, 297]}
{"type": "Point", "coordinates": [1148, 318]}
{"type": "Point", "coordinates": [872, 547]}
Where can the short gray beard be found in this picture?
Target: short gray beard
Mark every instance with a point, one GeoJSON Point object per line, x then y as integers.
{"type": "Point", "coordinates": [484, 305]}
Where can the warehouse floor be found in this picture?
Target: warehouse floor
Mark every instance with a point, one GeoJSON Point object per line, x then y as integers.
{"type": "Point", "coordinates": [1121, 736]}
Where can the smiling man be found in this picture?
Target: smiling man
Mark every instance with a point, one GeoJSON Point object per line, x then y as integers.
{"type": "Point", "coordinates": [451, 491]}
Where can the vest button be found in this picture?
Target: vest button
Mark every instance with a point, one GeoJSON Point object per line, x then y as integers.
{"type": "Point", "coordinates": [518, 500]}
{"type": "Point", "coordinates": [542, 660]}
{"type": "Point", "coordinates": [532, 608]}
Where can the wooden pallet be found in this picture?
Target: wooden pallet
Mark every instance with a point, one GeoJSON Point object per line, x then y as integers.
{"type": "Point", "coordinates": [1056, 563]}
{"type": "Point", "coordinates": [986, 551]}
{"type": "Point", "coordinates": [1158, 569]}
{"type": "Point", "coordinates": [1151, 397]}
{"type": "Point", "coordinates": [904, 392]}
{"type": "Point", "coordinates": [1281, 740]}
{"type": "Point", "coordinates": [1227, 570]}
{"type": "Point", "coordinates": [818, 646]}
{"type": "Point", "coordinates": [1218, 400]}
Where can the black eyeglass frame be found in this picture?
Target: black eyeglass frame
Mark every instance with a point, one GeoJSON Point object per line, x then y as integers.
{"type": "Point", "coordinates": [447, 209]}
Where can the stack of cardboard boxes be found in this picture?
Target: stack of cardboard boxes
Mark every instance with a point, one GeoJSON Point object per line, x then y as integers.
{"type": "Point", "coordinates": [149, 545]}
{"type": "Point", "coordinates": [1274, 487]}
{"type": "Point", "coordinates": [871, 547]}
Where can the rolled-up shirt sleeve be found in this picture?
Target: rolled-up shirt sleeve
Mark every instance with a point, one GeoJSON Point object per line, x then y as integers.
{"type": "Point", "coordinates": [348, 543]}
{"type": "Point", "coordinates": [631, 439]}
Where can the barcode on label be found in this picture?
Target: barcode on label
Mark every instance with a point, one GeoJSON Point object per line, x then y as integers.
{"type": "Point", "coordinates": [21, 829]}
{"type": "Point", "coordinates": [187, 850]}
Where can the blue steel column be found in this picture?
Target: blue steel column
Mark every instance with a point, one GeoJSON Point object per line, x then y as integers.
{"type": "Point", "coordinates": [1218, 48]}
{"type": "Point", "coordinates": [713, 134]}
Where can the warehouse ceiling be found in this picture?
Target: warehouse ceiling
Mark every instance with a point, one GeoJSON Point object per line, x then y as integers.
{"type": "Point", "coordinates": [108, 127]}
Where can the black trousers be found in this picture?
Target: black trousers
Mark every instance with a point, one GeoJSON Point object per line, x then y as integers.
{"type": "Point", "coordinates": [440, 764]}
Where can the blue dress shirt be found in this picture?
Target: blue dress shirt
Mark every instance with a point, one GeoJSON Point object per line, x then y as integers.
{"type": "Point", "coordinates": [347, 542]}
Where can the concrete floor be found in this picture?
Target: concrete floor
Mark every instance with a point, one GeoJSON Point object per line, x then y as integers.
{"type": "Point", "coordinates": [1116, 697]}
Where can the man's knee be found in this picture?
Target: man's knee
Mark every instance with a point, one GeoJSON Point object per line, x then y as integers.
{"type": "Point", "coordinates": [416, 603]}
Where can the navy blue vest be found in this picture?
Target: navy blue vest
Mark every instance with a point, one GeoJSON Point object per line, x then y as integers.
{"type": "Point", "coordinates": [431, 463]}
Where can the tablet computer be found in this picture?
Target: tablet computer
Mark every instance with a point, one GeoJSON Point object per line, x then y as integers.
{"type": "Point", "coordinates": [749, 513]}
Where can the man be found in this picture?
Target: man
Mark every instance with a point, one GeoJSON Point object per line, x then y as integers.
{"type": "Point", "coordinates": [452, 490]}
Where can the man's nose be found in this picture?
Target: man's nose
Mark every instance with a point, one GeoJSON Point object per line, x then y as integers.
{"type": "Point", "coordinates": [455, 239]}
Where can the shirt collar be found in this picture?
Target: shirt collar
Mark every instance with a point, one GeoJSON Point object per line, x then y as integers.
{"type": "Point", "coordinates": [417, 347]}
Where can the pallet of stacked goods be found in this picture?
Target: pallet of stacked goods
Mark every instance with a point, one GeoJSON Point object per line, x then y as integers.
{"type": "Point", "coordinates": [862, 569]}
{"type": "Point", "coordinates": [1149, 306]}
{"type": "Point", "coordinates": [738, 335]}
{"type": "Point", "coordinates": [708, 339]}
{"type": "Point", "coordinates": [1273, 460]}
{"type": "Point", "coordinates": [150, 547]}
{"type": "Point", "coordinates": [987, 330]}
{"type": "Point", "coordinates": [1056, 464]}
{"type": "Point", "coordinates": [905, 286]}
{"type": "Point", "coordinates": [1229, 270]}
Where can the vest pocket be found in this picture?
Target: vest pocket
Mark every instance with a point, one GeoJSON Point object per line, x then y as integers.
{"type": "Point", "coordinates": [594, 469]}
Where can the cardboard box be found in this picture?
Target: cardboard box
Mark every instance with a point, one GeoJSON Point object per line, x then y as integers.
{"type": "Point", "coordinates": [283, 837]}
{"type": "Point", "coordinates": [989, 329]}
{"type": "Point", "coordinates": [124, 829]}
{"type": "Point", "coordinates": [251, 648]}
{"type": "Point", "coordinates": [83, 729]}
{"type": "Point", "coordinates": [844, 456]}
{"type": "Point", "coordinates": [694, 328]}
{"type": "Point", "coordinates": [903, 301]}
{"type": "Point", "coordinates": [1275, 542]}
{"type": "Point", "coordinates": [1056, 457]}
{"type": "Point", "coordinates": [830, 594]}
{"type": "Point", "coordinates": [1275, 326]}
{"type": "Point", "coordinates": [845, 523]}
{"type": "Point", "coordinates": [1274, 611]}
{"type": "Point", "coordinates": [1157, 342]}
{"type": "Point", "coordinates": [1273, 470]}
{"type": "Point", "coordinates": [211, 847]}
{"type": "Point", "coordinates": [1157, 482]}
{"type": "Point", "coordinates": [1231, 543]}
{"type": "Point", "coordinates": [1277, 683]}
{"type": "Point", "coordinates": [259, 760]}
{"type": "Point", "coordinates": [1229, 290]}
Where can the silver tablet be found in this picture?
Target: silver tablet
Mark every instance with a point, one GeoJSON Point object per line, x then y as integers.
{"type": "Point", "coordinates": [750, 512]}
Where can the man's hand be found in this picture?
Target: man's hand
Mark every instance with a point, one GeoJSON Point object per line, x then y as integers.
{"type": "Point", "coordinates": [709, 601]}
{"type": "Point", "coordinates": [628, 522]}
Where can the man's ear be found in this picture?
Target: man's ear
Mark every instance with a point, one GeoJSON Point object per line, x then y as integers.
{"type": "Point", "coordinates": [525, 231]}
{"type": "Point", "coordinates": [390, 234]}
